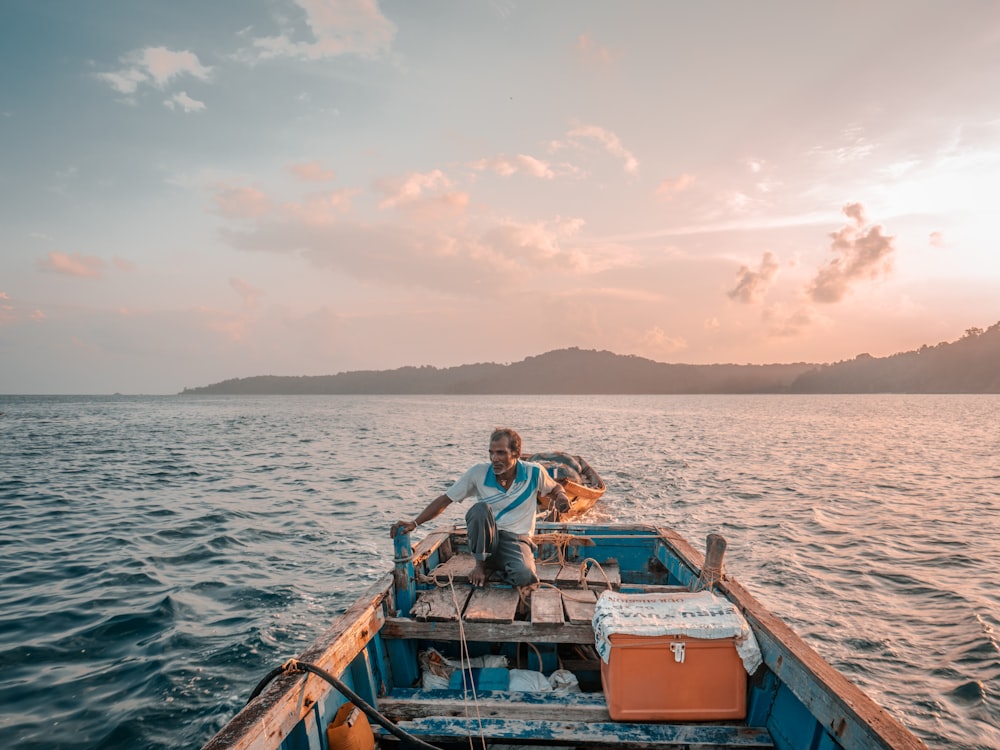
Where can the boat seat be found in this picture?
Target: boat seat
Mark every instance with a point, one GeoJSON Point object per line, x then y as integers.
{"type": "Point", "coordinates": [580, 719]}
{"type": "Point", "coordinates": [583, 734]}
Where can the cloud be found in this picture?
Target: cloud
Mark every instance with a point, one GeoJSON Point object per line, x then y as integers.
{"type": "Point", "coordinates": [751, 285]}
{"type": "Point", "coordinates": [507, 166]}
{"type": "Point", "coordinates": [667, 189]}
{"type": "Point", "coordinates": [155, 66]}
{"type": "Point", "coordinates": [611, 143]}
{"type": "Point", "coordinates": [339, 27]}
{"type": "Point", "coordinates": [123, 265]}
{"type": "Point", "coordinates": [322, 208]}
{"type": "Point", "coordinates": [788, 323]}
{"type": "Point", "coordinates": [936, 239]}
{"type": "Point", "coordinates": [311, 171]}
{"type": "Point", "coordinates": [593, 54]}
{"type": "Point", "coordinates": [657, 340]}
{"type": "Point", "coordinates": [249, 294]}
{"type": "Point", "coordinates": [865, 252]}
{"type": "Point", "coordinates": [72, 265]}
{"type": "Point", "coordinates": [241, 202]}
{"type": "Point", "coordinates": [428, 193]}
{"type": "Point", "coordinates": [183, 101]}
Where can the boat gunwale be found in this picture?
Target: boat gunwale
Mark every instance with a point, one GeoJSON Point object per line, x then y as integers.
{"type": "Point", "coordinates": [782, 644]}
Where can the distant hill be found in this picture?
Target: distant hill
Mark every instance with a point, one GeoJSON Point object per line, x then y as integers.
{"type": "Point", "coordinates": [969, 365]}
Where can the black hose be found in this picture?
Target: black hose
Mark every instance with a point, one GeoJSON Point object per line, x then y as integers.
{"type": "Point", "coordinates": [370, 711]}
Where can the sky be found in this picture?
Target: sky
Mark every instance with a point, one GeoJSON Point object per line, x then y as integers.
{"type": "Point", "coordinates": [192, 192]}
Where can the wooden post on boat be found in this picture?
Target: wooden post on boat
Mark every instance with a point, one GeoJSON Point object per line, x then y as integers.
{"type": "Point", "coordinates": [711, 570]}
{"type": "Point", "coordinates": [402, 573]}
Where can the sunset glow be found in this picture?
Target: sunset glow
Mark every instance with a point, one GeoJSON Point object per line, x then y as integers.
{"type": "Point", "coordinates": [305, 187]}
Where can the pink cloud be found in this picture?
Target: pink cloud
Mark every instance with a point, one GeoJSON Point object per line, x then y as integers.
{"type": "Point", "coordinates": [592, 53]}
{"type": "Point", "coordinates": [786, 323]}
{"type": "Point", "coordinates": [311, 171]}
{"type": "Point", "coordinates": [249, 294]}
{"type": "Point", "coordinates": [610, 142]}
{"type": "Point", "coordinates": [123, 265]}
{"type": "Point", "coordinates": [72, 265]}
{"type": "Point", "coordinates": [411, 188]}
{"type": "Point", "coordinates": [751, 285]}
{"type": "Point", "coordinates": [669, 188]}
{"type": "Point", "coordinates": [241, 202]}
{"type": "Point", "coordinates": [865, 252]}
{"type": "Point", "coordinates": [323, 208]}
{"type": "Point", "coordinates": [521, 163]}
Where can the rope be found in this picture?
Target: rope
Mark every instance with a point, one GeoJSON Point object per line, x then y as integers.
{"type": "Point", "coordinates": [294, 665]}
{"type": "Point", "coordinates": [464, 657]}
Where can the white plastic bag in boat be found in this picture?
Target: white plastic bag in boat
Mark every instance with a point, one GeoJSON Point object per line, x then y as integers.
{"type": "Point", "coordinates": [436, 669]}
{"type": "Point", "coordinates": [431, 681]}
{"type": "Point", "coordinates": [564, 681]}
{"type": "Point", "coordinates": [696, 615]}
{"type": "Point", "coordinates": [529, 681]}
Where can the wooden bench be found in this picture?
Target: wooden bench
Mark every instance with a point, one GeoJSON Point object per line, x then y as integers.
{"type": "Point", "coordinates": [556, 720]}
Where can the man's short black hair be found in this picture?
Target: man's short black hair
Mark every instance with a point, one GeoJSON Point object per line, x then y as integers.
{"type": "Point", "coordinates": [513, 439]}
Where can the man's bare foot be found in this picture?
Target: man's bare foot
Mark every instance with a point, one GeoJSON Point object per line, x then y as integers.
{"type": "Point", "coordinates": [479, 574]}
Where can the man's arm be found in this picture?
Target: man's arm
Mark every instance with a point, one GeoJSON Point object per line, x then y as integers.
{"type": "Point", "coordinates": [433, 510]}
{"type": "Point", "coordinates": [558, 503]}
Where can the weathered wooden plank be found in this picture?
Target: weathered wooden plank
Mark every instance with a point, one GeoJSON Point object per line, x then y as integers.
{"type": "Point", "coordinates": [513, 632]}
{"type": "Point", "coordinates": [492, 605]}
{"type": "Point", "coordinates": [548, 571]}
{"type": "Point", "coordinates": [610, 577]}
{"type": "Point", "coordinates": [457, 568]}
{"type": "Point", "coordinates": [406, 704]}
{"type": "Point", "coordinates": [570, 577]}
{"type": "Point", "coordinates": [440, 604]}
{"type": "Point", "coordinates": [619, 735]}
{"type": "Point", "coordinates": [547, 606]}
{"type": "Point", "coordinates": [579, 605]}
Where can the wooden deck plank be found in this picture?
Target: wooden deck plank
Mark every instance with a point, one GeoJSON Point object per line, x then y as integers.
{"type": "Point", "coordinates": [438, 604]}
{"type": "Point", "coordinates": [492, 605]}
{"type": "Point", "coordinates": [579, 605]}
{"type": "Point", "coordinates": [618, 735]}
{"type": "Point", "coordinates": [457, 568]}
{"type": "Point", "coordinates": [403, 704]}
{"type": "Point", "coordinates": [547, 606]}
{"type": "Point", "coordinates": [548, 571]}
{"type": "Point", "coordinates": [569, 576]}
{"type": "Point", "coordinates": [515, 632]}
{"type": "Point", "coordinates": [596, 579]}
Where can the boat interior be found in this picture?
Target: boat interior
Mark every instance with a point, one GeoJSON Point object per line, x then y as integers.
{"type": "Point", "coordinates": [543, 630]}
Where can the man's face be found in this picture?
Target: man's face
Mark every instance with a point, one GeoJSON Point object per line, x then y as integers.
{"type": "Point", "coordinates": [501, 457]}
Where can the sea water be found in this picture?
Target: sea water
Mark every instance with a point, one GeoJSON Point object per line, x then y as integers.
{"type": "Point", "coordinates": [159, 555]}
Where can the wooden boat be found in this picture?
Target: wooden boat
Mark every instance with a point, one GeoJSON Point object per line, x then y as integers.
{"type": "Point", "coordinates": [582, 484]}
{"type": "Point", "coordinates": [423, 612]}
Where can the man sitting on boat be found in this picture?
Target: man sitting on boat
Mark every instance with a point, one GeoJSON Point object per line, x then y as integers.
{"type": "Point", "coordinates": [502, 520]}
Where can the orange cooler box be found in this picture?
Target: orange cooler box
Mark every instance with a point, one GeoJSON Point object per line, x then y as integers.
{"type": "Point", "coordinates": [674, 677]}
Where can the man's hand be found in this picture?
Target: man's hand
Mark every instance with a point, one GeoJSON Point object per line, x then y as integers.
{"type": "Point", "coordinates": [404, 527]}
{"type": "Point", "coordinates": [479, 575]}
